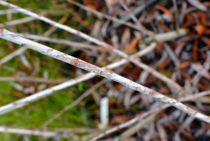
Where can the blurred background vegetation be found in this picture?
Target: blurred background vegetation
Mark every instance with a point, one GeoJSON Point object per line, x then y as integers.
{"type": "Point", "coordinates": [34, 115]}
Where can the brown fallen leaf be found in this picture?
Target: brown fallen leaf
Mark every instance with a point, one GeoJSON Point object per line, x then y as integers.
{"type": "Point", "coordinates": [119, 119]}
{"type": "Point", "coordinates": [131, 48]}
{"type": "Point", "coordinates": [200, 29]}
{"type": "Point", "coordinates": [195, 51]}
{"type": "Point", "coordinates": [184, 64]}
{"type": "Point", "coordinates": [93, 4]}
{"type": "Point", "coordinates": [207, 41]}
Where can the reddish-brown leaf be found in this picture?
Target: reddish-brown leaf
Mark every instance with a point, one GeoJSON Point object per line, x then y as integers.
{"type": "Point", "coordinates": [195, 51]}
{"type": "Point", "coordinates": [131, 47]}
{"type": "Point", "coordinates": [207, 41]}
{"type": "Point", "coordinates": [164, 90]}
{"type": "Point", "coordinates": [184, 64]}
{"type": "Point", "coordinates": [119, 119]}
{"type": "Point", "coordinates": [93, 4]}
{"type": "Point", "coordinates": [164, 64]}
{"type": "Point", "coordinates": [186, 75]}
{"type": "Point", "coordinates": [164, 26]}
{"type": "Point", "coordinates": [187, 134]}
{"type": "Point", "coordinates": [203, 18]}
{"type": "Point", "coordinates": [118, 86]}
{"type": "Point", "coordinates": [200, 29]}
{"type": "Point", "coordinates": [164, 10]}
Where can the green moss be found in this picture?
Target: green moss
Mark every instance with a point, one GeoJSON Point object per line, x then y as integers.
{"type": "Point", "coordinates": [33, 5]}
{"type": "Point", "coordinates": [36, 114]}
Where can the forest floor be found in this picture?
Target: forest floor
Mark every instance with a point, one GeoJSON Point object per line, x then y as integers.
{"type": "Point", "coordinates": [180, 31]}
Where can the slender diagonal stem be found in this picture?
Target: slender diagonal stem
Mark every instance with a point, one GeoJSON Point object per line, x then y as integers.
{"type": "Point", "coordinates": [15, 38]}
{"type": "Point", "coordinates": [21, 131]}
{"type": "Point", "coordinates": [178, 89]}
{"type": "Point", "coordinates": [145, 115]}
{"type": "Point", "coordinates": [50, 91]}
{"type": "Point", "coordinates": [73, 104]}
{"type": "Point", "coordinates": [12, 55]}
{"type": "Point", "coordinates": [102, 15]}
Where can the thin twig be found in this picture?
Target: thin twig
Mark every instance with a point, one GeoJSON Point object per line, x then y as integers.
{"type": "Point", "coordinates": [102, 15]}
{"type": "Point", "coordinates": [63, 41]}
{"type": "Point", "coordinates": [50, 91]}
{"type": "Point", "coordinates": [162, 77]}
{"type": "Point", "coordinates": [53, 29]}
{"type": "Point", "coordinates": [198, 5]}
{"type": "Point", "coordinates": [8, 11]}
{"type": "Point", "coordinates": [125, 135]}
{"type": "Point", "coordinates": [12, 37]}
{"type": "Point", "coordinates": [126, 124]}
{"type": "Point", "coordinates": [73, 104]}
{"type": "Point", "coordinates": [134, 12]}
{"type": "Point", "coordinates": [12, 55]}
{"type": "Point", "coordinates": [146, 114]}
{"type": "Point", "coordinates": [19, 21]}
{"type": "Point", "coordinates": [21, 131]}
{"type": "Point", "coordinates": [32, 79]}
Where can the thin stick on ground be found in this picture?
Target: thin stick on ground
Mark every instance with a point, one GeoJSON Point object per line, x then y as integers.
{"type": "Point", "coordinates": [53, 29]}
{"type": "Point", "coordinates": [125, 135]}
{"type": "Point", "coordinates": [126, 124]}
{"type": "Point", "coordinates": [177, 88]}
{"type": "Point", "coordinates": [12, 37]}
{"type": "Point", "coordinates": [50, 91]}
{"type": "Point", "coordinates": [73, 104]}
{"type": "Point", "coordinates": [134, 12]}
{"type": "Point", "coordinates": [19, 21]}
{"type": "Point", "coordinates": [77, 45]}
{"type": "Point", "coordinates": [8, 11]}
{"type": "Point", "coordinates": [102, 15]}
{"type": "Point", "coordinates": [12, 55]}
{"type": "Point", "coordinates": [22, 131]}
{"type": "Point", "coordinates": [146, 114]}
{"type": "Point", "coordinates": [31, 79]}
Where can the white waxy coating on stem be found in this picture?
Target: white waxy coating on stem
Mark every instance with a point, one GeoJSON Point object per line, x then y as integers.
{"type": "Point", "coordinates": [104, 112]}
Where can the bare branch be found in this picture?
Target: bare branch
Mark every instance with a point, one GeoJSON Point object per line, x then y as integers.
{"type": "Point", "coordinates": [19, 21]}
{"type": "Point", "coordinates": [50, 91]}
{"type": "Point", "coordinates": [145, 115]}
{"type": "Point", "coordinates": [37, 132]}
{"type": "Point", "coordinates": [73, 44]}
{"type": "Point", "coordinates": [102, 15]}
{"type": "Point", "coordinates": [12, 37]}
{"type": "Point", "coordinates": [177, 88]}
{"type": "Point", "coordinates": [31, 79]}
{"type": "Point", "coordinates": [22, 131]}
{"type": "Point", "coordinates": [73, 104]}
{"type": "Point", "coordinates": [12, 55]}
